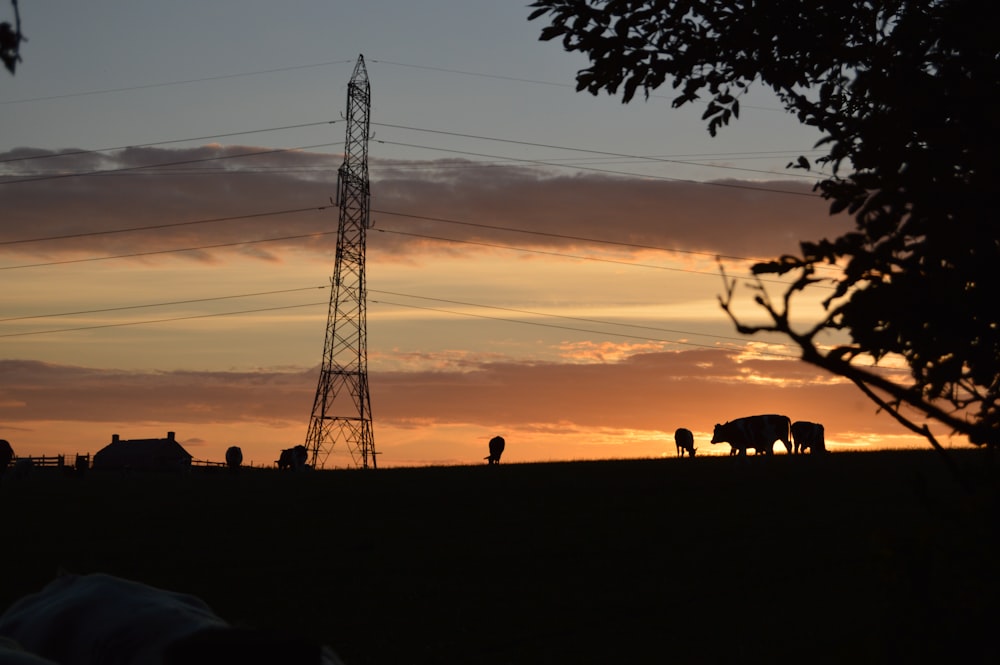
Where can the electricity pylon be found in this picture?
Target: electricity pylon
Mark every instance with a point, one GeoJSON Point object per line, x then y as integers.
{"type": "Point", "coordinates": [341, 413]}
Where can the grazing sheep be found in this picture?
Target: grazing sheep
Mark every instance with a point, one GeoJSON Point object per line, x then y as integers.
{"type": "Point", "coordinates": [98, 619]}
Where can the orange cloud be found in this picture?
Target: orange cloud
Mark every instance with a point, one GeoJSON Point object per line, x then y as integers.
{"type": "Point", "coordinates": [647, 394]}
{"type": "Point", "coordinates": [440, 381]}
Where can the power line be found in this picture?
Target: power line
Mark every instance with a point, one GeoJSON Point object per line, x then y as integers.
{"type": "Point", "coordinates": [162, 226]}
{"type": "Point", "coordinates": [757, 352]}
{"type": "Point", "coordinates": [169, 83]}
{"type": "Point", "coordinates": [540, 162]}
{"type": "Point", "coordinates": [536, 162]}
{"type": "Point", "coordinates": [392, 293]}
{"type": "Point", "coordinates": [546, 234]}
{"type": "Point", "coordinates": [382, 230]}
{"type": "Point", "coordinates": [603, 154]}
{"type": "Point", "coordinates": [202, 300]}
{"type": "Point", "coordinates": [645, 158]}
{"type": "Point", "coordinates": [611, 158]}
{"type": "Point", "coordinates": [525, 312]}
{"type": "Point", "coordinates": [556, 163]}
{"type": "Point", "coordinates": [190, 301]}
{"type": "Point", "coordinates": [731, 155]}
{"type": "Point", "coordinates": [442, 220]}
{"type": "Point", "coordinates": [557, 316]}
{"type": "Point", "coordinates": [167, 320]}
{"type": "Point", "coordinates": [563, 236]}
{"type": "Point", "coordinates": [71, 153]}
{"type": "Point", "coordinates": [58, 176]}
{"type": "Point", "coordinates": [563, 255]}
{"type": "Point", "coordinates": [562, 327]}
{"type": "Point", "coordinates": [411, 306]}
{"type": "Point", "coordinates": [169, 251]}
{"type": "Point", "coordinates": [534, 81]}
{"type": "Point", "coordinates": [551, 163]}
{"type": "Point", "coordinates": [477, 74]}
{"type": "Point", "coordinates": [705, 160]}
{"type": "Point", "coordinates": [322, 233]}
{"type": "Point", "coordinates": [314, 65]}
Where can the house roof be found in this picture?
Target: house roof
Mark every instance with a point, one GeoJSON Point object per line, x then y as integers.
{"type": "Point", "coordinates": [142, 454]}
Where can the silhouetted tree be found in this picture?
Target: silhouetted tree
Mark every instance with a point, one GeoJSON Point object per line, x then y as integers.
{"type": "Point", "coordinates": [906, 95]}
{"type": "Point", "coordinates": [10, 40]}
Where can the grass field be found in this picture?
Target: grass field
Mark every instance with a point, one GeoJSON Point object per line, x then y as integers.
{"type": "Point", "coordinates": [844, 558]}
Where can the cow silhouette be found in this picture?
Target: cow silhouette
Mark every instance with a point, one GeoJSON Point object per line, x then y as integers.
{"type": "Point", "coordinates": [6, 455]}
{"type": "Point", "coordinates": [685, 442]}
{"type": "Point", "coordinates": [757, 432]}
{"type": "Point", "coordinates": [807, 435]}
{"type": "Point", "coordinates": [497, 445]}
{"type": "Point", "coordinates": [293, 459]}
{"type": "Point", "coordinates": [234, 457]}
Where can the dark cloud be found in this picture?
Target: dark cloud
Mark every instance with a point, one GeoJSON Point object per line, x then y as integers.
{"type": "Point", "coordinates": [741, 218]}
{"type": "Point", "coordinates": [32, 390]}
{"type": "Point", "coordinates": [39, 202]}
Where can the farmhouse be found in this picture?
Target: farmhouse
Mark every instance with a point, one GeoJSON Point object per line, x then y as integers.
{"type": "Point", "coordinates": [143, 454]}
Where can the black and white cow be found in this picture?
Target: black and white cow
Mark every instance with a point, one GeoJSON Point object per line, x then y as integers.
{"type": "Point", "coordinates": [685, 442]}
{"type": "Point", "coordinates": [757, 432]}
{"type": "Point", "coordinates": [234, 457]}
{"type": "Point", "coordinates": [97, 619]}
{"type": "Point", "coordinates": [807, 435]}
{"type": "Point", "coordinates": [293, 458]}
{"type": "Point", "coordinates": [6, 455]}
{"type": "Point", "coordinates": [497, 445]}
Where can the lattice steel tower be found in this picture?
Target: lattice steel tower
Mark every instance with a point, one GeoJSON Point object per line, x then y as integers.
{"type": "Point", "coordinates": [341, 413]}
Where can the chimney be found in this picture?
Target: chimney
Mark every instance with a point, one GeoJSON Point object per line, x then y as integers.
{"type": "Point", "coordinates": [170, 436]}
{"type": "Point", "coordinates": [114, 438]}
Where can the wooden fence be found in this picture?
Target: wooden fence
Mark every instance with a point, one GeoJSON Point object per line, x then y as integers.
{"type": "Point", "coordinates": [202, 462]}
{"type": "Point", "coordinates": [80, 463]}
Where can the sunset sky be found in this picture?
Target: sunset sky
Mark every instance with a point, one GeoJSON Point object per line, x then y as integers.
{"type": "Point", "coordinates": [544, 264]}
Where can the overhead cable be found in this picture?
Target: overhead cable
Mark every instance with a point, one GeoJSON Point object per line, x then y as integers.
{"type": "Point", "coordinates": [70, 153]}
{"type": "Point", "coordinates": [603, 153]}
{"type": "Point", "coordinates": [212, 220]}
{"type": "Point", "coordinates": [78, 174]}
{"type": "Point", "coordinates": [169, 83]}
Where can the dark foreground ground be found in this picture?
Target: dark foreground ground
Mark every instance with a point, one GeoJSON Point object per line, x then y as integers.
{"type": "Point", "coordinates": [849, 558]}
